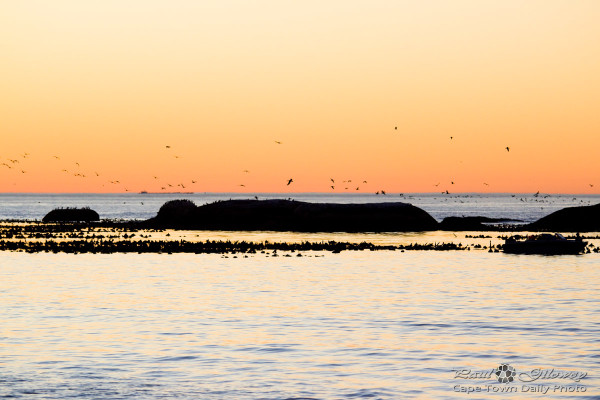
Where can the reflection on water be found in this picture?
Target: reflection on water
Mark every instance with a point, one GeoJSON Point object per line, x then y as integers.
{"type": "Point", "coordinates": [353, 325]}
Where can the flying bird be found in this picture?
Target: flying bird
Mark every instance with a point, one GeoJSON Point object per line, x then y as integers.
{"type": "Point", "coordinates": [168, 147]}
{"type": "Point", "coordinates": [383, 192]}
{"type": "Point", "coordinates": [507, 148]}
{"type": "Point", "coordinates": [396, 128]}
{"type": "Point", "coordinates": [278, 142]}
{"type": "Point", "coordinates": [290, 181]}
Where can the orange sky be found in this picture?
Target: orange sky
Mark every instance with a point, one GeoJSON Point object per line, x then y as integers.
{"type": "Point", "coordinates": [109, 84]}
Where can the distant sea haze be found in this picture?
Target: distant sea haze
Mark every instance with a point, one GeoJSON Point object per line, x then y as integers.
{"type": "Point", "coordinates": [136, 206]}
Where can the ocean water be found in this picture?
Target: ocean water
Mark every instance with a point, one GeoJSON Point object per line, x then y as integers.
{"type": "Point", "coordinates": [130, 206]}
{"type": "Point", "coordinates": [354, 325]}
{"type": "Point", "coordinates": [372, 325]}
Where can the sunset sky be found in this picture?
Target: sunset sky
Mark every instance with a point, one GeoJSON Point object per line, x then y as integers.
{"type": "Point", "coordinates": [110, 84]}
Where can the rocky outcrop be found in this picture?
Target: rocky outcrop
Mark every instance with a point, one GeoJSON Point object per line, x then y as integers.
{"type": "Point", "coordinates": [290, 215]}
{"type": "Point", "coordinates": [570, 219]}
{"type": "Point", "coordinates": [71, 215]}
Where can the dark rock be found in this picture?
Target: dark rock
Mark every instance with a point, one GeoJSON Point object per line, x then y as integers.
{"type": "Point", "coordinates": [71, 215]}
{"type": "Point", "coordinates": [570, 219]}
{"type": "Point", "coordinates": [176, 210]}
{"type": "Point", "coordinates": [290, 215]}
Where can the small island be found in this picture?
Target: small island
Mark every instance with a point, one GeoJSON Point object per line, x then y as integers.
{"type": "Point", "coordinates": [69, 214]}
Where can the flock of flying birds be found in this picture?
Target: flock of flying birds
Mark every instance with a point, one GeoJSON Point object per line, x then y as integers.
{"type": "Point", "coordinates": [16, 165]}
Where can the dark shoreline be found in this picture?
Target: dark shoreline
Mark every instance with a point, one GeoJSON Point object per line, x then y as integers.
{"type": "Point", "coordinates": [107, 236]}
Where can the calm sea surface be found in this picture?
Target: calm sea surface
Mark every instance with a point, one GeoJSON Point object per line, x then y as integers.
{"type": "Point", "coordinates": [373, 325]}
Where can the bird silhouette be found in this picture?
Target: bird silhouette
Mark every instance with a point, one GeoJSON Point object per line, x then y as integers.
{"type": "Point", "coordinates": [242, 185]}
{"type": "Point", "coordinates": [396, 128]}
{"type": "Point", "coordinates": [290, 181]}
{"type": "Point", "coordinates": [438, 184]}
{"type": "Point", "coordinates": [486, 184]}
{"type": "Point", "coordinates": [591, 185]}
{"type": "Point", "coordinates": [364, 181]}
{"type": "Point", "coordinates": [168, 147]}
{"type": "Point", "coordinates": [278, 142]}
{"type": "Point", "coordinates": [331, 179]}
{"type": "Point", "coordinates": [246, 171]}
{"type": "Point", "coordinates": [507, 148]}
{"type": "Point", "coordinates": [451, 137]}
{"type": "Point", "coordinates": [333, 187]}
{"type": "Point", "coordinates": [383, 192]}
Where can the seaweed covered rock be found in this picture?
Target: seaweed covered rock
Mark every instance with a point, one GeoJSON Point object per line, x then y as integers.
{"type": "Point", "coordinates": [570, 219]}
{"type": "Point", "coordinates": [84, 214]}
{"type": "Point", "coordinates": [290, 215]}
